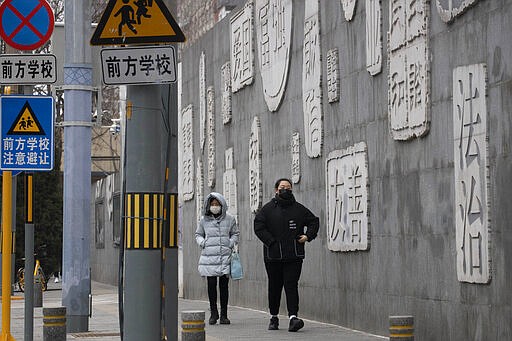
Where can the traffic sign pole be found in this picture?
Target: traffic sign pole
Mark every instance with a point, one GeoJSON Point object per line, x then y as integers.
{"type": "Point", "coordinates": [29, 258]}
{"type": "Point", "coordinates": [6, 254]}
{"type": "Point", "coordinates": [76, 276]}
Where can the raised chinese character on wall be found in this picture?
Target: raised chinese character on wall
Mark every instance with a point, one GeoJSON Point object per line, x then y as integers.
{"type": "Point", "coordinates": [348, 8]}
{"type": "Point", "coordinates": [373, 37]}
{"type": "Point", "coordinates": [210, 125]}
{"type": "Point", "coordinates": [471, 170]}
{"type": "Point", "coordinates": [230, 183]}
{"type": "Point", "coordinates": [312, 81]}
{"type": "Point", "coordinates": [187, 166]}
{"type": "Point", "coordinates": [202, 100]}
{"type": "Point", "coordinates": [408, 81]}
{"type": "Point", "coordinates": [255, 181]}
{"type": "Point", "coordinates": [199, 189]}
{"type": "Point", "coordinates": [274, 33]}
{"type": "Point", "coordinates": [242, 49]}
{"type": "Point", "coordinates": [347, 199]}
{"type": "Point", "coordinates": [333, 76]}
{"type": "Point", "coordinates": [226, 93]}
{"type": "Point", "coordinates": [450, 9]}
{"type": "Point", "coordinates": [295, 149]}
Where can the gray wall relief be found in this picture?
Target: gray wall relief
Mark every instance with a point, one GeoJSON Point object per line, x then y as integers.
{"type": "Point", "coordinates": [242, 49]}
{"type": "Point", "coordinates": [348, 8]}
{"type": "Point", "coordinates": [230, 183]}
{"type": "Point", "coordinates": [225, 78]}
{"type": "Point", "coordinates": [187, 165]}
{"type": "Point", "coordinates": [347, 199]}
{"type": "Point", "coordinates": [373, 36]}
{"type": "Point", "coordinates": [255, 176]}
{"type": "Point", "coordinates": [333, 76]}
{"type": "Point", "coordinates": [274, 33]}
{"type": "Point", "coordinates": [210, 130]}
{"type": "Point", "coordinates": [408, 225]}
{"type": "Point", "coordinates": [199, 189]}
{"type": "Point", "coordinates": [99, 215]}
{"type": "Point", "coordinates": [295, 149]}
{"type": "Point", "coordinates": [409, 84]}
{"type": "Point", "coordinates": [312, 80]}
{"type": "Point", "coordinates": [202, 100]}
{"type": "Point", "coordinates": [109, 195]}
{"type": "Point", "coordinates": [471, 167]}
{"type": "Point", "coordinates": [450, 9]}
{"type": "Point", "coordinates": [105, 227]}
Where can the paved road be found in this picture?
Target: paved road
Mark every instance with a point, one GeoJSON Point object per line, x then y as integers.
{"type": "Point", "coordinates": [246, 324]}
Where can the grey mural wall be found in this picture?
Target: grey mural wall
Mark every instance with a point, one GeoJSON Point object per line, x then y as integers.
{"type": "Point", "coordinates": [399, 139]}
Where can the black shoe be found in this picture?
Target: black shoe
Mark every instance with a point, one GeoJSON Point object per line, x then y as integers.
{"type": "Point", "coordinates": [295, 324]}
{"type": "Point", "coordinates": [224, 320]}
{"type": "Point", "coordinates": [213, 317]}
{"type": "Point", "coordinates": [274, 323]}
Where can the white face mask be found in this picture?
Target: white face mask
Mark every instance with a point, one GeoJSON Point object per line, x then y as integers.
{"type": "Point", "coordinates": [215, 209]}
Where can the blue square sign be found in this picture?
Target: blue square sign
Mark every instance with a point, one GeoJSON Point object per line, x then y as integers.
{"type": "Point", "coordinates": [27, 133]}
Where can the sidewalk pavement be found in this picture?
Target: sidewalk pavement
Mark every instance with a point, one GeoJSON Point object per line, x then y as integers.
{"type": "Point", "coordinates": [246, 324]}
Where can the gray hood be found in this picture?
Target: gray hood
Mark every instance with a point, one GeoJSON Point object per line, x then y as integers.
{"type": "Point", "coordinates": [220, 198]}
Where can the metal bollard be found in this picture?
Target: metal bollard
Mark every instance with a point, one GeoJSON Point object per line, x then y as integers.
{"type": "Point", "coordinates": [401, 328]}
{"type": "Point", "coordinates": [54, 324]}
{"type": "Point", "coordinates": [38, 294]}
{"type": "Point", "coordinates": [192, 326]}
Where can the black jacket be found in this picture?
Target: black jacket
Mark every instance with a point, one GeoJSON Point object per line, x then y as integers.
{"type": "Point", "coordinates": [278, 225]}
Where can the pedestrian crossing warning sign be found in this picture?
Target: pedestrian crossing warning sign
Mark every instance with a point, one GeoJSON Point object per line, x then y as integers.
{"type": "Point", "coordinates": [126, 22]}
{"type": "Point", "coordinates": [26, 123]}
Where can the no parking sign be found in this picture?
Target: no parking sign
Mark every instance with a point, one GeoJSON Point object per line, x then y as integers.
{"type": "Point", "coordinates": [26, 24]}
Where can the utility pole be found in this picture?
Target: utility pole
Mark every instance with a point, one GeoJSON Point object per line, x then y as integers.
{"type": "Point", "coordinates": [29, 258]}
{"type": "Point", "coordinates": [170, 250]}
{"type": "Point", "coordinates": [76, 280]}
{"type": "Point", "coordinates": [150, 199]}
{"type": "Point", "coordinates": [143, 197]}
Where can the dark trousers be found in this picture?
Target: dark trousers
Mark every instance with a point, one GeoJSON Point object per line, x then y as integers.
{"type": "Point", "coordinates": [285, 274]}
{"type": "Point", "coordinates": [224, 293]}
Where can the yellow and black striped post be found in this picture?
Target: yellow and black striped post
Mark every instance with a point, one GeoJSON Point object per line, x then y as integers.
{"type": "Point", "coordinates": [147, 217]}
{"type": "Point", "coordinates": [143, 220]}
{"type": "Point", "coordinates": [192, 326]}
{"type": "Point", "coordinates": [401, 328]}
{"type": "Point", "coordinates": [54, 324]}
{"type": "Point", "coordinates": [171, 221]}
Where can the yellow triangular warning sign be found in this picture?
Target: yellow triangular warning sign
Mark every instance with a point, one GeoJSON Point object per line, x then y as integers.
{"type": "Point", "coordinates": [127, 22]}
{"type": "Point", "coordinates": [26, 123]}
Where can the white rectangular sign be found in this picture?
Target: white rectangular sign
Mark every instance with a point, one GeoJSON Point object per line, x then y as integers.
{"type": "Point", "coordinates": [139, 65]}
{"type": "Point", "coordinates": [28, 69]}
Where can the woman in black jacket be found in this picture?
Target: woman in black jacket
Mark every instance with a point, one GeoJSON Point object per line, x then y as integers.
{"type": "Point", "coordinates": [284, 226]}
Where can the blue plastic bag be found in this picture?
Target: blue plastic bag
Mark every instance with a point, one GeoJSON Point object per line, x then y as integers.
{"type": "Point", "coordinates": [237, 271]}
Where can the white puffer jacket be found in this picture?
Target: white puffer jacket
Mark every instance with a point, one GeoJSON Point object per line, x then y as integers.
{"type": "Point", "coordinates": [216, 237]}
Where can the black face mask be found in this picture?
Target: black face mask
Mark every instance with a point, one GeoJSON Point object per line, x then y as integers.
{"type": "Point", "coordinates": [285, 193]}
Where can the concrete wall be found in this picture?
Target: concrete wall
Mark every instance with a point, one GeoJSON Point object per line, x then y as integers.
{"type": "Point", "coordinates": [104, 239]}
{"type": "Point", "coordinates": [410, 267]}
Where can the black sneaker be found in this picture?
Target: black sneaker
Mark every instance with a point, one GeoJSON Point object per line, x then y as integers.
{"type": "Point", "coordinates": [224, 320]}
{"type": "Point", "coordinates": [295, 324]}
{"type": "Point", "coordinates": [274, 323]}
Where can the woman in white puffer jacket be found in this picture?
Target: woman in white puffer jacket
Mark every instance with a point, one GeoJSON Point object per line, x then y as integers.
{"type": "Point", "coordinates": [216, 234]}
